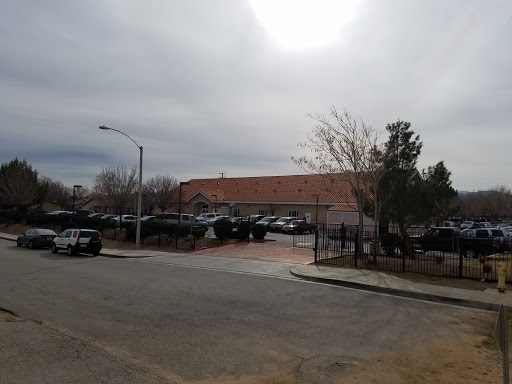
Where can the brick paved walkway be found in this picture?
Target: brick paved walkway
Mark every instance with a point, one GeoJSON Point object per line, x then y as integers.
{"type": "Point", "coordinates": [260, 251]}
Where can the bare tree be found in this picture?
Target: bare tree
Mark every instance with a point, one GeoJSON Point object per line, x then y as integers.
{"type": "Point", "coordinates": [162, 190]}
{"type": "Point", "coordinates": [59, 193]}
{"type": "Point", "coordinates": [19, 186]}
{"type": "Point", "coordinates": [272, 208]}
{"type": "Point", "coordinates": [497, 202]}
{"type": "Point", "coordinates": [345, 150]}
{"type": "Point", "coordinates": [116, 184]}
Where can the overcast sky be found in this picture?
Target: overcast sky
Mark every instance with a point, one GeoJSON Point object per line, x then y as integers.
{"type": "Point", "coordinates": [210, 86]}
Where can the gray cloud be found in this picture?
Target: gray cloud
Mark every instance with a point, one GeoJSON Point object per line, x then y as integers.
{"type": "Point", "coordinates": [202, 87]}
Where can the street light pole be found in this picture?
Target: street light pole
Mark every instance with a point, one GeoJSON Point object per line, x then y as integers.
{"type": "Point", "coordinates": [316, 217]}
{"type": "Point", "coordinates": [179, 202]}
{"type": "Point", "coordinates": [74, 188]}
{"type": "Point", "coordinates": [139, 200]}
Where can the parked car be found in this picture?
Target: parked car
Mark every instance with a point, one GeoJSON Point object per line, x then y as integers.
{"type": "Point", "coordinates": [211, 222]}
{"type": "Point", "coordinates": [174, 219]}
{"type": "Point", "coordinates": [267, 220]}
{"type": "Point", "coordinates": [444, 239]}
{"type": "Point", "coordinates": [147, 219]}
{"type": "Point", "coordinates": [298, 227]}
{"type": "Point", "coordinates": [107, 216]}
{"type": "Point", "coordinates": [236, 221]}
{"type": "Point", "coordinates": [37, 212]}
{"type": "Point", "coordinates": [36, 237]}
{"type": "Point", "coordinates": [253, 219]}
{"type": "Point", "coordinates": [83, 212]}
{"type": "Point", "coordinates": [466, 224]}
{"type": "Point", "coordinates": [97, 214]}
{"type": "Point", "coordinates": [124, 219]}
{"type": "Point", "coordinates": [277, 225]}
{"type": "Point", "coordinates": [207, 216]}
{"type": "Point", "coordinates": [60, 213]}
{"type": "Point", "coordinates": [78, 241]}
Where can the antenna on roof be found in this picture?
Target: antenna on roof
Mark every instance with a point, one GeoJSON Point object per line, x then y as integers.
{"type": "Point", "coordinates": [222, 174]}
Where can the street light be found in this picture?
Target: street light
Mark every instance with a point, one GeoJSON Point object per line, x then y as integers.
{"type": "Point", "coordinates": [139, 200]}
{"type": "Point", "coordinates": [74, 194]}
{"type": "Point", "coordinates": [215, 205]}
{"type": "Point", "coordinates": [179, 202]}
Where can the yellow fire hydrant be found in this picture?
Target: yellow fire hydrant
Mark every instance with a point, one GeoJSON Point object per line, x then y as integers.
{"type": "Point", "coordinates": [502, 275]}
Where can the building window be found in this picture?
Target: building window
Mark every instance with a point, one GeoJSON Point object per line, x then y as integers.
{"type": "Point", "coordinates": [236, 212]}
{"type": "Point", "coordinates": [262, 212]}
{"type": "Point", "coordinates": [293, 213]}
{"type": "Point", "coordinates": [205, 208]}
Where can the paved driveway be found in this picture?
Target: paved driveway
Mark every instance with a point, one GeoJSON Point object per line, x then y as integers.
{"type": "Point", "coordinates": [260, 251]}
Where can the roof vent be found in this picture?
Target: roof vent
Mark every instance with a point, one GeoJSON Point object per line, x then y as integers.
{"type": "Point", "coordinates": [275, 190]}
{"type": "Point", "coordinates": [299, 190]}
{"type": "Point", "coordinates": [255, 190]}
{"type": "Point", "coordinates": [305, 181]}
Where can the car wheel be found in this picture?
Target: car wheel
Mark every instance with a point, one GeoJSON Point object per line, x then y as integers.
{"type": "Point", "coordinates": [18, 242]}
{"type": "Point", "coordinates": [30, 244]}
{"type": "Point", "coordinates": [295, 232]}
{"type": "Point", "coordinates": [70, 250]}
{"type": "Point", "coordinates": [95, 253]}
{"type": "Point", "coordinates": [55, 249]}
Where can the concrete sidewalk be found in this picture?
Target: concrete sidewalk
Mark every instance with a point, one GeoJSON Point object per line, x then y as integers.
{"type": "Point", "coordinates": [374, 281]}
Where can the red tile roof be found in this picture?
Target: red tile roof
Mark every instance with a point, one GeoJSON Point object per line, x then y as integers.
{"type": "Point", "coordinates": [344, 208]}
{"type": "Point", "coordinates": [278, 189]}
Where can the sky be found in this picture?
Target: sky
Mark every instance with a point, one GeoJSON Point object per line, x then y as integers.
{"type": "Point", "coordinates": [225, 86]}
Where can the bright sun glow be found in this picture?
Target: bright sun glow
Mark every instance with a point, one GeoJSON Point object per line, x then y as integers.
{"type": "Point", "coordinates": [303, 24]}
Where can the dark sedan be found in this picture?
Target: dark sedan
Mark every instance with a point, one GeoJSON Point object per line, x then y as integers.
{"type": "Point", "coordinates": [37, 237]}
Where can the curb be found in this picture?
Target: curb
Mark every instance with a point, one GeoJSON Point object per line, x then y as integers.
{"type": "Point", "coordinates": [401, 293]}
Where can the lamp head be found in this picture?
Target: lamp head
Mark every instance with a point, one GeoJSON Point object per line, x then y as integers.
{"type": "Point", "coordinates": [104, 127]}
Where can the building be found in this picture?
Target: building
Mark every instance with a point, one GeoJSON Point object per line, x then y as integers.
{"type": "Point", "coordinates": [318, 198]}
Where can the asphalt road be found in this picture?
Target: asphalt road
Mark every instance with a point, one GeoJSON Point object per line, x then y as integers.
{"type": "Point", "coordinates": [162, 320]}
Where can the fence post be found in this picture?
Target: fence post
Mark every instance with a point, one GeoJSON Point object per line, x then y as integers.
{"type": "Point", "coordinates": [461, 271]}
{"type": "Point", "coordinates": [356, 248]}
{"type": "Point", "coordinates": [316, 245]}
{"type": "Point", "coordinates": [404, 252]}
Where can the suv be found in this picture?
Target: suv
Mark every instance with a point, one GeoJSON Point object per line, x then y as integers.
{"type": "Point", "coordinates": [277, 226]}
{"type": "Point", "coordinates": [487, 240]}
{"type": "Point", "coordinates": [78, 241]}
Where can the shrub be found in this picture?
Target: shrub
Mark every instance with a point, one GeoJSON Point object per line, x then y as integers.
{"type": "Point", "coordinates": [244, 229]}
{"type": "Point", "coordinates": [390, 242]}
{"type": "Point", "coordinates": [198, 232]}
{"type": "Point", "coordinates": [181, 230]}
{"type": "Point", "coordinates": [259, 232]}
{"type": "Point", "coordinates": [222, 228]}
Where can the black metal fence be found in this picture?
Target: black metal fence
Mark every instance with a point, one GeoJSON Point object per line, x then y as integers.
{"type": "Point", "coordinates": [392, 252]}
